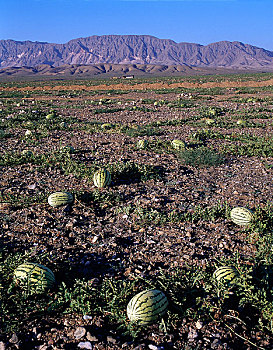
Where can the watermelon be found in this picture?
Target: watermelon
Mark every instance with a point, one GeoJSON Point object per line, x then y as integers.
{"type": "Point", "coordinates": [209, 121]}
{"type": "Point", "coordinates": [178, 145]}
{"type": "Point", "coordinates": [50, 116]}
{"type": "Point", "coordinates": [147, 307]}
{"type": "Point", "coordinates": [67, 149]}
{"type": "Point", "coordinates": [102, 178]}
{"type": "Point", "coordinates": [63, 125]}
{"type": "Point", "coordinates": [57, 199]}
{"type": "Point", "coordinates": [142, 144]}
{"type": "Point", "coordinates": [26, 153]}
{"type": "Point", "coordinates": [241, 216]}
{"type": "Point", "coordinates": [28, 133]}
{"type": "Point", "coordinates": [225, 274]}
{"type": "Point", "coordinates": [35, 277]}
{"type": "Point", "coordinates": [107, 126]}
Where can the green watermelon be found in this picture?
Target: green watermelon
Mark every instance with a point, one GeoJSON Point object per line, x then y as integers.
{"type": "Point", "coordinates": [58, 199]}
{"type": "Point", "coordinates": [225, 274]}
{"type": "Point", "coordinates": [147, 307]}
{"type": "Point", "coordinates": [178, 145]}
{"type": "Point", "coordinates": [241, 216]}
{"type": "Point", "coordinates": [35, 277]}
{"type": "Point", "coordinates": [102, 178]}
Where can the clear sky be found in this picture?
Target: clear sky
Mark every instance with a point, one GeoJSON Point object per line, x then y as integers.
{"type": "Point", "coordinates": [198, 21]}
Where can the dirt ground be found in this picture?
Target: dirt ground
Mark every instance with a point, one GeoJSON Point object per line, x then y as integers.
{"type": "Point", "coordinates": [124, 238]}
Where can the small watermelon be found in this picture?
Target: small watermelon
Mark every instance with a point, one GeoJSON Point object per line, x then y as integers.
{"type": "Point", "coordinates": [63, 125]}
{"type": "Point", "coordinates": [50, 116]}
{"type": "Point", "coordinates": [225, 274]}
{"type": "Point", "coordinates": [35, 277]}
{"type": "Point", "coordinates": [28, 133]}
{"type": "Point", "coordinates": [107, 126]}
{"type": "Point", "coordinates": [29, 124]}
{"type": "Point", "coordinates": [26, 153]}
{"type": "Point", "coordinates": [142, 144]}
{"type": "Point", "coordinates": [241, 122]}
{"type": "Point", "coordinates": [178, 145]}
{"type": "Point", "coordinates": [241, 216]}
{"type": "Point", "coordinates": [209, 121]}
{"type": "Point", "coordinates": [147, 307]}
{"type": "Point", "coordinates": [102, 178]}
{"type": "Point", "coordinates": [57, 199]}
{"type": "Point", "coordinates": [67, 149]}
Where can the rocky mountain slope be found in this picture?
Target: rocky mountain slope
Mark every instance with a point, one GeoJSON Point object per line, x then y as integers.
{"type": "Point", "coordinates": [134, 49]}
{"type": "Point", "coordinates": [107, 70]}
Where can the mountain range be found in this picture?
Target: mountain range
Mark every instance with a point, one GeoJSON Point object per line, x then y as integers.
{"type": "Point", "coordinates": [134, 50]}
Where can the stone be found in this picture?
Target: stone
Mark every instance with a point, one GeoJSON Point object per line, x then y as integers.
{"type": "Point", "coordinates": [13, 339]}
{"type": "Point", "coordinates": [155, 347]}
{"type": "Point", "coordinates": [199, 324]}
{"type": "Point", "coordinates": [85, 345]}
{"type": "Point", "coordinates": [79, 332]}
{"type": "Point", "coordinates": [91, 337]}
{"type": "Point", "coordinates": [87, 317]}
{"type": "Point", "coordinates": [192, 334]}
{"type": "Point", "coordinates": [110, 339]}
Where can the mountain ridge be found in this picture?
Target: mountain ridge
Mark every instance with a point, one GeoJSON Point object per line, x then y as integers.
{"type": "Point", "coordinates": [134, 49]}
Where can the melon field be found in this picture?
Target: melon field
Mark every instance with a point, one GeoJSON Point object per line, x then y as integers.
{"type": "Point", "coordinates": [174, 157]}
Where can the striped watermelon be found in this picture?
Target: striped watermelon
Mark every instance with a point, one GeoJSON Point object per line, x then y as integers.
{"type": "Point", "coordinates": [50, 116]}
{"type": "Point", "coordinates": [35, 277]}
{"type": "Point", "coordinates": [102, 178]}
{"type": "Point", "coordinates": [225, 274]}
{"type": "Point", "coordinates": [241, 122]}
{"type": "Point", "coordinates": [26, 153]}
{"type": "Point", "coordinates": [209, 121]}
{"type": "Point", "coordinates": [57, 199]}
{"type": "Point", "coordinates": [147, 307]}
{"type": "Point", "coordinates": [241, 216]}
{"type": "Point", "coordinates": [178, 145]}
{"type": "Point", "coordinates": [67, 149]}
{"type": "Point", "coordinates": [107, 126]}
{"type": "Point", "coordinates": [142, 144]}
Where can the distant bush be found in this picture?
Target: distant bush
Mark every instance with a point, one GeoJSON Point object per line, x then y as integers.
{"type": "Point", "coordinates": [201, 157]}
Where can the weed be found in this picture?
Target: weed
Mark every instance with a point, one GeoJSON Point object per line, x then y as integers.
{"type": "Point", "coordinates": [144, 131]}
{"type": "Point", "coordinates": [130, 172]}
{"type": "Point", "coordinates": [201, 157]}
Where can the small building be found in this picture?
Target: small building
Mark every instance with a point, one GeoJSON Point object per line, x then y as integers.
{"type": "Point", "coordinates": [128, 76]}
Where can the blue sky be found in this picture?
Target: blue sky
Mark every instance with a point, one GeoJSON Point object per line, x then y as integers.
{"type": "Point", "coordinates": [198, 21]}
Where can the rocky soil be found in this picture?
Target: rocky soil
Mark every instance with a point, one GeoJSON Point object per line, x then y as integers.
{"type": "Point", "coordinates": [125, 231]}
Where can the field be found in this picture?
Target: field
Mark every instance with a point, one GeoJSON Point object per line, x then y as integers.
{"type": "Point", "coordinates": [163, 223]}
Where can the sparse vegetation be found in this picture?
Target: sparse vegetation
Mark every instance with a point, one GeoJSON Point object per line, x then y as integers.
{"type": "Point", "coordinates": [163, 222]}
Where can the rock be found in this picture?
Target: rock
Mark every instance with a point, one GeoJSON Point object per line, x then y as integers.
{"type": "Point", "coordinates": [85, 345]}
{"type": "Point", "coordinates": [13, 339]}
{"type": "Point", "coordinates": [192, 334]}
{"type": "Point", "coordinates": [199, 324]}
{"type": "Point", "coordinates": [140, 347]}
{"type": "Point", "coordinates": [42, 347]}
{"type": "Point", "coordinates": [155, 347]}
{"type": "Point", "coordinates": [79, 332]}
{"type": "Point", "coordinates": [215, 344]}
{"type": "Point", "coordinates": [87, 317]}
{"type": "Point", "coordinates": [126, 345]}
{"type": "Point", "coordinates": [110, 339]}
{"type": "Point", "coordinates": [91, 337]}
